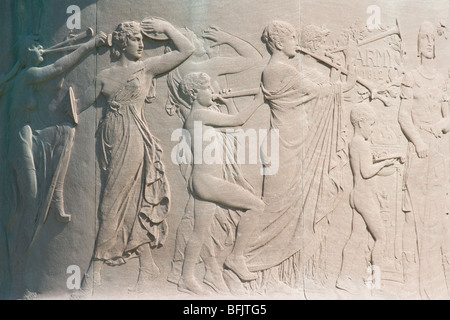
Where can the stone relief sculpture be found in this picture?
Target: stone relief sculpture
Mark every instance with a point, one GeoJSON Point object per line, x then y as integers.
{"type": "Point", "coordinates": [364, 198]}
{"type": "Point", "coordinates": [379, 66]}
{"type": "Point", "coordinates": [209, 188]}
{"type": "Point", "coordinates": [424, 119]}
{"type": "Point", "coordinates": [306, 110]}
{"type": "Point", "coordinates": [37, 155]}
{"type": "Point", "coordinates": [135, 198]}
{"type": "Point", "coordinates": [356, 204]}
{"type": "Point", "coordinates": [215, 66]}
{"type": "Point", "coordinates": [212, 64]}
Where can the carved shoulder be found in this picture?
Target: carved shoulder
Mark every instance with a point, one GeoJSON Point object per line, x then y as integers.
{"type": "Point", "coordinates": [276, 75]}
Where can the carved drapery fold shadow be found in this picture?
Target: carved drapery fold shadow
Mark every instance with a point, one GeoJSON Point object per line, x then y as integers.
{"type": "Point", "coordinates": [307, 113]}
{"type": "Point", "coordinates": [135, 197]}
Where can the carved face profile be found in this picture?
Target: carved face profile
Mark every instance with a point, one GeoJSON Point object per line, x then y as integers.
{"type": "Point", "coordinates": [288, 45]}
{"type": "Point", "coordinates": [366, 127]}
{"type": "Point", "coordinates": [30, 52]}
{"type": "Point", "coordinates": [127, 41]}
{"type": "Point", "coordinates": [134, 48]}
{"type": "Point", "coordinates": [280, 36]}
{"type": "Point", "coordinates": [34, 55]}
{"type": "Point", "coordinates": [204, 95]}
{"type": "Point", "coordinates": [197, 86]}
{"type": "Point", "coordinates": [363, 119]}
{"type": "Point", "coordinates": [426, 41]}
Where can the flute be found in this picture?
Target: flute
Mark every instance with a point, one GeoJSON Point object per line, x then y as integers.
{"type": "Point", "coordinates": [240, 93]}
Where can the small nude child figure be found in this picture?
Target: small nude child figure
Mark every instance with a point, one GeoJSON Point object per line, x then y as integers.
{"type": "Point", "coordinates": [363, 198]}
{"type": "Point", "coordinates": [208, 186]}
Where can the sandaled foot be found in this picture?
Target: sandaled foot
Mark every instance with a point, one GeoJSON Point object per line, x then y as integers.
{"type": "Point", "coordinates": [239, 267]}
{"type": "Point", "coordinates": [191, 286]}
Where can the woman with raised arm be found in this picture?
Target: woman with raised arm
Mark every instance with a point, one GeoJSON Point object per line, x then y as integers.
{"type": "Point", "coordinates": [246, 57]}
{"type": "Point", "coordinates": [135, 193]}
{"type": "Point", "coordinates": [300, 191]}
{"type": "Point", "coordinates": [37, 157]}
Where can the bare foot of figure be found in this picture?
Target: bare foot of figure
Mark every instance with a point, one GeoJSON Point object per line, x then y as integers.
{"type": "Point", "coordinates": [191, 286]}
{"type": "Point", "coordinates": [237, 265]}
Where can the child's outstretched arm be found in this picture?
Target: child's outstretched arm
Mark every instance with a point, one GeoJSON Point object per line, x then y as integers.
{"type": "Point", "coordinates": [216, 119]}
{"type": "Point", "coordinates": [367, 167]}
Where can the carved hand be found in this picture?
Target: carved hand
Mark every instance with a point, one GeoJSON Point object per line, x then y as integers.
{"type": "Point", "coordinates": [216, 35]}
{"type": "Point", "coordinates": [218, 97]}
{"type": "Point", "coordinates": [389, 162]}
{"type": "Point", "coordinates": [421, 149]}
{"type": "Point", "coordinates": [336, 73]}
{"type": "Point", "coordinates": [101, 39]}
{"type": "Point", "coordinates": [158, 26]}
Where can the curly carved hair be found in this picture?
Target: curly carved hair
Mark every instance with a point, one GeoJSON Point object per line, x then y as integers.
{"type": "Point", "coordinates": [124, 31]}
{"type": "Point", "coordinates": [192, 83]}
{"type": "Point", "coordinates": [274, 32]}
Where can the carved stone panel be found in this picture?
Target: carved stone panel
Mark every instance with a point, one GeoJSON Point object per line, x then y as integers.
{"type": "Point", "coordinates": [225, 149]}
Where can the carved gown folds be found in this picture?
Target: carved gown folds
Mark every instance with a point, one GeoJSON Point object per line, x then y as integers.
{"type": "Point", "coordinates": [427, 180]}
{"type": "Point", "coordinates": [300, 195]}
{"type": "Point", "coordinates": [135, 197]}
{"type": "Point", "coordinates": [45, 150]}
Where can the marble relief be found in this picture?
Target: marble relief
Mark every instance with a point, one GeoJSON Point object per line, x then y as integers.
{"type": "Point", "coordinates": [278, 155]}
